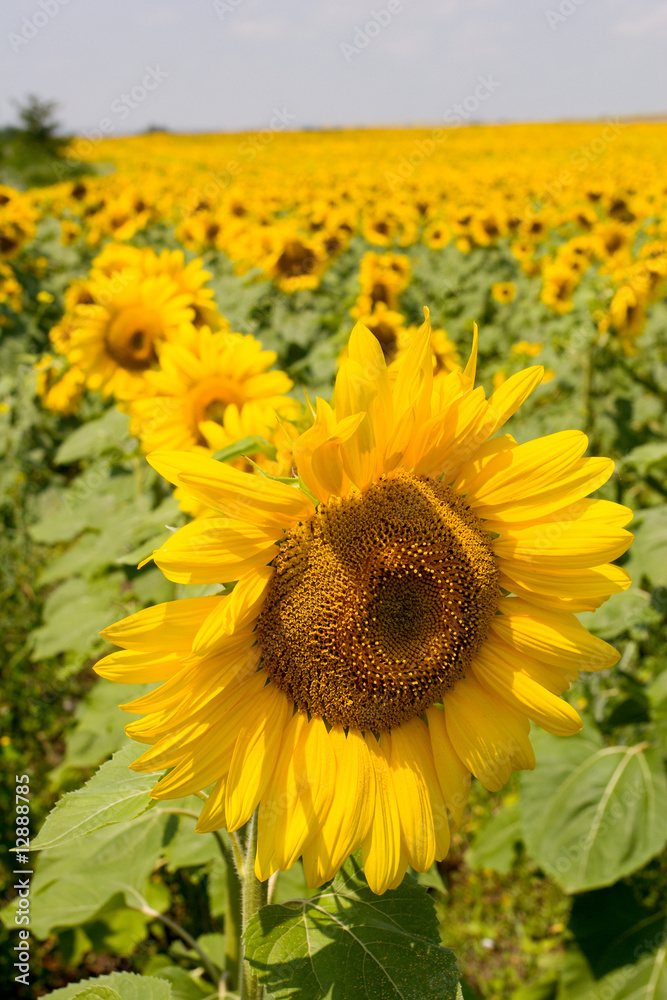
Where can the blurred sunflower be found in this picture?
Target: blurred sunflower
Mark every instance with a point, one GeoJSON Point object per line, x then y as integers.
{"type": "Point", "coordinates": [59, 389]}
{"type": "Point", "coordinates": [503, 291]}
{"type": "Point", "coordinates": [373, 593]}
{"type": "Point", "coordinates": [210, 393]}
{"type": "Point", "coordinates": [114, 340]}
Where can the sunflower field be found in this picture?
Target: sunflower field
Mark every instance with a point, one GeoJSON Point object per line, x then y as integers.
{"type": "Point", "coordinates": [334, 566]}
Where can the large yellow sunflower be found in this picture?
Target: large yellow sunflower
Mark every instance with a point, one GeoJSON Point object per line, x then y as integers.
{"type": "Point", "coordinates": [402, 610]}
{"type": "Point", "coordinates": [210, 392]}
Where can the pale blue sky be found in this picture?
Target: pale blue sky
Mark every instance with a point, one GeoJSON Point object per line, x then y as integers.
{"type": "Point", "coordinates": [226, 64]}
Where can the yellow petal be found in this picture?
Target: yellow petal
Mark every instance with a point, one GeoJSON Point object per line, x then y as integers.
{"type": "Point", "coordinates": [470, 370]}
{"type": "Point", "coordinates": [130, 667]}
{"type": "Point", "coordinates": [412, 395]}
{"type": "Point", "coordinates": [518, 472]}
{"type": "Point", "coordinates": [500, 677]}
{"type": "Point", "coordinates": [239, 495]}
{"type": "Point", "coordinates": [507, 399]}
{"type": "Point", "coordinates": [318, 454]}
{"type": "Point", "coordinates": [216, 550]}
{"type": "Point", "coordinates": [422, 812]}
{"type": "Point", "coordinates": [237, 611]}
{"type": "Point", "coordinates": [172, 625]}
{"type": "Point", "coordinates": [555, 637]}
{"type": "Point", "coordinates": [562, 589]}
{"type": "Point", "coordinates": [255, 754]}
{"type": "Point", "coordinates": [490, 738]}
{"type": "Point", "coordinates": [384, 861]}
{"type": "Point", "coordinates": [569, 539]}
{"type": "Point", "coordinates": [453, 775]}
{"type": "Point", "coordinates": [350, 814]}
{"type": "Point", "coordinates": [462, 428]}
{"type": "Point", "coordinates": [212, 817]}
{"type": "Point", "coordinates": [298, 795]}
{"type": "Point", "coordinates": [208, 737]}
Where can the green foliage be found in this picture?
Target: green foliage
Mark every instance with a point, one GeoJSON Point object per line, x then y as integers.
{"type": "Point", "coordinates": [347, 941]}
{"type": "Point", "coordinates": [122, 985]}
{"type": "Point", "coordinates": [112, 795]}
{"type": "Point", "coordinates": [495, 846]}
{"type": "Point", "coordinates": [593, 816]}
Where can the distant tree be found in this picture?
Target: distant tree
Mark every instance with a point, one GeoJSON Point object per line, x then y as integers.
{"type": "Point", "coordinates": [38, 122]}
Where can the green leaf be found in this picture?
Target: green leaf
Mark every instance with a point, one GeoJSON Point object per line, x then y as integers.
{"type": "Point", "coordinates": [114, 794]}
{"type": "Point", "coordinates": [186, 848]}
{"type": "Point", "coordinates": [246, 446]}
{"type": "Point", "coordinates": [183, 986]}
{"type": "Point", "coordinates": [612, 928]}
{"type": "Point", "coordinates": [349, 940]}
{"type": "Point", "coordinates": [70, 885]}
{"type": "Point", "coordinates": [592, 814]}
{"type": "Point", "coordinates": [74, 614]}
{"type": "Point", "coordinates": [100, 725]}
{"type": "Point", "coordinates": [126, 985]}
{"type": "Point", "coordinates": [494, 845]}
{"type": "Point", "coordinates": [91, 439]}
{"type": "Point", "coordinates": [546, 989]}
{"type": "Point", "coordinates": [647, 980]}
{"type": "Point", "coordinates": [619, 614]}
{"type": "Point", "coordinates": [648, 555]}
{"type": "Point", "coordinates": [647, 455]}
{"type": "Point", "coordinates": [98, 993]}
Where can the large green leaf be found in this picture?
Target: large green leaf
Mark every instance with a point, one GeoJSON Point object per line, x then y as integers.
{"type": "Point", "coordinates": [612, 928]}
{"type": "Point", "coordinates": [348, 942]}
{"type": "Point", "coordinates": [126, 985]}
{"type": "Point", "coordinates": [71, 884]}
{"type": "Point", "coordinates": [114, 794]}
{"type": "Point", "coordinates": [647, 980]}
{"type": "Point", "coordinates": [593, 814]}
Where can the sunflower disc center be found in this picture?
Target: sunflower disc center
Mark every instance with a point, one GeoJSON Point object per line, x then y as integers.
{"type": "Point", "coordinates": [379, 603]}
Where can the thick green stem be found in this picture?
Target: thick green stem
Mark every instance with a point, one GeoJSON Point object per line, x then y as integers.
{"type": "Point", "coordinates": [254, 898]}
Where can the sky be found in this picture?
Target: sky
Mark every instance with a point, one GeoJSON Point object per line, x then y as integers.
{"type": "Point", "coordinates": [231, 65]}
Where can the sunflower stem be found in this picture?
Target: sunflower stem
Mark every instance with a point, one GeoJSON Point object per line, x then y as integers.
{"type": "Point", "coordinates": [254, 898]}
{"type": "Point", "coordinates": [233, 922]}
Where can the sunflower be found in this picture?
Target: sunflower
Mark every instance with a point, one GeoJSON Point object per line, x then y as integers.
{"type": "Point", "coordinates": [403, 609]}
{"type": "Point", "coordinates": [11, 290]}
{"type": "Point", "coordinates": [18, 220]}
{"type": "Point", "coordinates": [558, 285]}
{"type": "Point", "coordinates": [503, 291]}
{"type": "Point", "coordinates": [114, 341]}
{"type": "Point", "coordinates": [58, 389]}
{"type": "Point", "coordinates": [189, 279]}
{"type": "Point", "coordinates": [382, 279]}
{"type": "Point", "coordinates": [210, 393]}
